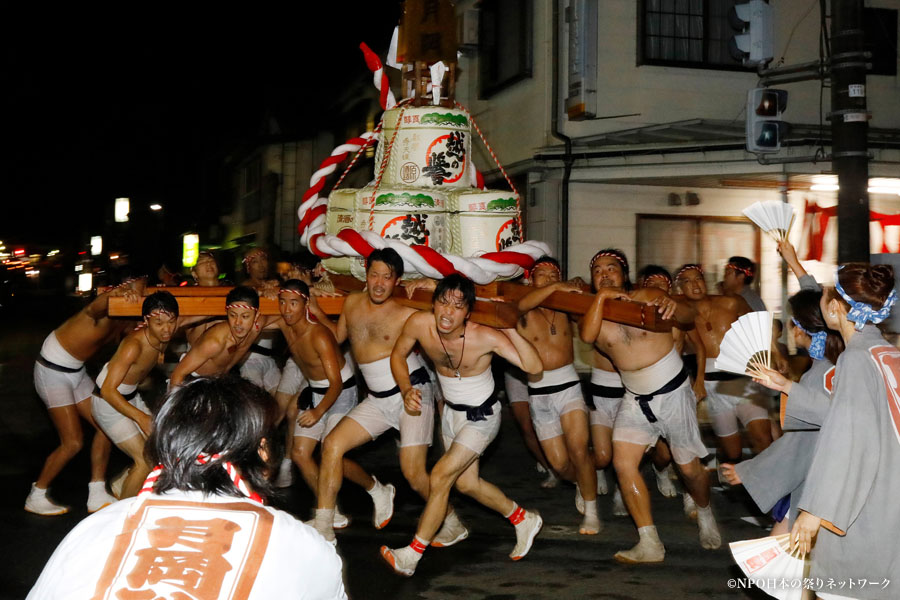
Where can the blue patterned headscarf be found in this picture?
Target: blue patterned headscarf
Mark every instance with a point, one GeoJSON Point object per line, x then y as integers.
{"type": "Point", "coordinates": [817, 347]}
{"type": "Point", "coordinates": [862, 313]}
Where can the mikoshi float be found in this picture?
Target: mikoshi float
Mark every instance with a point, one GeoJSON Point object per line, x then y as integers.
{"type": "Point", "coordinates": [426, 200]}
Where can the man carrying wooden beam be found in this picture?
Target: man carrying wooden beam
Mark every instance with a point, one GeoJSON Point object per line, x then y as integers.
{"type": "Point", "coordinates": [260, 366]}
{"type": "Point", "coordinates": [332, 390]}
{"type": "Point", "coordinates": [730, 397]}
{"type": "Point", "coordinates": [117, 406]}
{"type": "Point", "coordinates": [372, 320]}
{"type": "Point", "coordinates": [63, 384]}
{"type": "Point", "coordinates": [554, 395]}
{"type": "Point", "coordinates": [462, 352]}
{"type": "Point", "coordinates": [658, 403]}
{"type": "Point", "coordinates": [223, 345]}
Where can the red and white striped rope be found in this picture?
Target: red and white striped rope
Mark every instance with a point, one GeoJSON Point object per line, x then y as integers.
{"type": "Point", "coordinates": [379, 77]}
{"type": "Point", "coordinates": [203, 459]}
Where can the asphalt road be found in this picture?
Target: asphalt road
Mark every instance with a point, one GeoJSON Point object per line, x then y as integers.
{"type": "Point", "coordinates": [562, 564]}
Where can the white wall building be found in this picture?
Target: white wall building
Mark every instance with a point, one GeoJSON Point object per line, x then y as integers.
{"type": "Point", "coordinates": [669, 125]}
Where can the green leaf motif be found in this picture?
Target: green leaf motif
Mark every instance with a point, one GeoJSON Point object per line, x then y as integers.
{"type": "Point", "coordinates": [444, 119]}
{"type": "Point", "coordinates": [501, 204]}
{"type": "Point", "coordinates": [404, 199]}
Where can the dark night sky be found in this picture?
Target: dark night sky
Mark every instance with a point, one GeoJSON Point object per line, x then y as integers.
{"type": "Point", "coordinates": [101, 110]}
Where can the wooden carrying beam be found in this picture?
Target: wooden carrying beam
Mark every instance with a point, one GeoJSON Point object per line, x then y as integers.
{"type": "Point", "coordinates": [636, 314]}
{"type": "Point", "coordinates": [493, 314]}
{"type": "Point", "coordinates": [496, 306]}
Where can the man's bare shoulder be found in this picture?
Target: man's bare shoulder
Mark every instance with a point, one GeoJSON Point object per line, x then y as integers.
{"type": "Point", "coordinates": [353, 301]}
{"type": "Point", "coordinates": [723, 302]}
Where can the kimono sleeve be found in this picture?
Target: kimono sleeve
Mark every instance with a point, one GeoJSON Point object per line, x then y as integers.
{"type": "Point", "coordinates": [847, 454]}
{"type": "Point", "coordinates": [808, 401]}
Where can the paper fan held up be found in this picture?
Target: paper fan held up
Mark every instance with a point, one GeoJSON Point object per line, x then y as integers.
{"type": "Point", "coordinates": [746, 347]}
{"type": "Point", "coordinates": [773, 217]}
{"type": "Point", "coordinates": [771, 566]}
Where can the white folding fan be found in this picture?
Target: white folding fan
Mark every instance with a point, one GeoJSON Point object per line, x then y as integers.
{"type": "Point", "coordinates": [746, 347]}
{"type": "Point", "coordinates": [773, 217]}
{"type": "Point", "coordinates": [772, 567]}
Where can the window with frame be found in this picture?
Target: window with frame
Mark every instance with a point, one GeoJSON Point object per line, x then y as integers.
{"type": "Point", "coordinates": [504, 44]}
{"type": "Point", "coordinates": [686, 33]}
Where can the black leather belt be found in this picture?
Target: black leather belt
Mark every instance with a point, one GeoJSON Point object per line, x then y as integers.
{"type": "Point", "coordinates": [51, 365]}
{"type": "Point", "coordinates": [474, 413]}
{"type": "Point", "coordinates": [417, 377]}
{"type": "Point", "coordinates": [722, 376]}
{"type": "Point", "coordinates": [644, 399]}
{"type": "Point", "coordinates": [305, 401]}
{"type": "Point", "coordinates": [602, 391]}
{"type": "Point", "coordinates": [552, 389]}
{"type": "Point", "coordinates": [128, 396]}
{"type": "Point", "coordinates": [261, 350]}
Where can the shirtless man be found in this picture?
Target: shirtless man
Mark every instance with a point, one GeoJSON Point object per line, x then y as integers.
{"type": "Point", "coordinates": [63, 384]}
{"type": "Point", "coordinates": [372, 320]}
{"type": "Point", "coordinates": [557, 404]}
{"type": "Point", "coordinates": [738, 279]}
{"type": "Point", "coordinates": [730, 397]}
{"type": "Point", "coordinates": [658, 402]}
{"type": "Point", "coordinates": [118, 408]}
{"type": "Point", "coordinates": [332, 391]}
{"type": "Point", "coordinates": [223, 345]}
{"type": "Point", "coordinates": [659, 277]}
{"type": "Point", "coordinates": [606, 389]}
{"type": "Point", "coordinates": [260, 366]}
{"type": "Point", "coordinates": [461, 352]}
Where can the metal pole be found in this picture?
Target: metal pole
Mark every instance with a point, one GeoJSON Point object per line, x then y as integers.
{"type": "Point", "coordinates": [849, 129]}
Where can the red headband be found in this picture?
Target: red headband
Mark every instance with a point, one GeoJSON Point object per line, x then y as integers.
{"type": "Point", "coordinates": [548, 263]}
{"type": "Point", "coordinates": [240, 305]}
{"type": "Point", "coordinates": [685, 268]}
{"type": "Point", "coordinates": [613, 255]}
{"type": "Point", "coordinates": [745, 271]}
{"type": "Point", "coordinates": [253, 253]}
{"type": "Point", "coordinates": [658, 276]}
{"type": "Point", "coordinates": [159, 311]}
{"type": "Point", "coordinates": [296, 292]}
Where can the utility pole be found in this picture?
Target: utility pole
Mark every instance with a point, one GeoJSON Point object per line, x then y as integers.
{"type": "Point", "coordinates": [849, 129]}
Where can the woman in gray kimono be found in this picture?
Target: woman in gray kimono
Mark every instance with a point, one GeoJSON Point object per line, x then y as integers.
{"type": "Point", "coordinates": [780, 469]}
{"type": "Point", "coordinates": [849, 502]}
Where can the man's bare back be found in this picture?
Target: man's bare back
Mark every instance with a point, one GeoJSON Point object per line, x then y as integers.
{"type": "Point", "coordinates": [84, 333]}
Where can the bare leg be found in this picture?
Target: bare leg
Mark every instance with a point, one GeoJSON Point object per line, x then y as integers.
{"type": "Point", "coordinates": [731, 447]}
{"type": "Point", "coordinates": [576, 434]}
{"type": "Point", "coordinates": [522, 414]}
{"type": "Point", "coordinates": [661, 455]}
{"type": "Point", "coordinates": [100, 446]}
{"type": "Point", "coordinates": [134, 447]}
{"type": "Point", "coordinates": [696, 480]}
{"type": "Point", "coordinates": [302, 455]}
{"type": "Point", "coordinates": [601, 441]}
{"type": "Point", "coordinates": [412, 464]}
{"type": "Point", "coordinates": [71, 440]}
{"type": "Point", "coordinates": [558, 456]}
{"type": "Point", "coordinates": [627, 461]}
{"type": "Point", "coordinates": [348, 434]}
{"type": "Point", "coordinates": [760, 433]}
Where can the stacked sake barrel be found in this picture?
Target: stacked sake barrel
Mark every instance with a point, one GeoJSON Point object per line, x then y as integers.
{"type": "Point", "coordinates": [426, 195]}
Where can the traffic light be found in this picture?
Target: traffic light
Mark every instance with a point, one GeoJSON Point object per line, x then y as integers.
{"type": "Point", "coordinates": [765, 129]}
{"type": "Point", "coordinates": [754, 45]}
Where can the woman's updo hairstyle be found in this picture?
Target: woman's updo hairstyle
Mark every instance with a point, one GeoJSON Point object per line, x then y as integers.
{"type": "Point", "coordinates": [870, 284]}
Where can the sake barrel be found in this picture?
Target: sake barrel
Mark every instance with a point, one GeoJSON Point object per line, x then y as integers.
{"type": "Point", "coordinates": [431, 149]}
{"type": "Point", "coordinates": [413, 216]}
{"type": "Point", "coordinates": [482, 221]}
